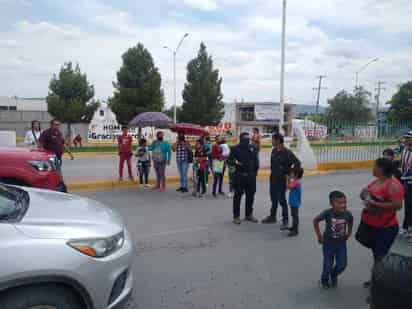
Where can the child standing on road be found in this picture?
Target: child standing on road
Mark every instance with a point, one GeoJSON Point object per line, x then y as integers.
{"type": "Point", "coordinates": [338, 229]}
{"type": "Point", "coordinates": [295, 199]}
{"type": "Point", "coordinates": [201, 168]}
{"type": "Point", "coordinates": [143, 162]}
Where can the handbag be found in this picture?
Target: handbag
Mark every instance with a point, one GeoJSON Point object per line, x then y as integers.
{"type": "Point", "coordinates": [365, 235]}
{"type": "Point", "coordinates": [218, 166]}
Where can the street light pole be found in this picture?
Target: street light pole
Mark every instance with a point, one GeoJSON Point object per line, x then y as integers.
{"type": "Point", "coordinates": [362, 69]}
{"type": "Point", "coordinates": [174, 75]}
{"type": "Point", "coordinates": [282, 69]}
{"type": "Point", "coordinates": [174, 88]}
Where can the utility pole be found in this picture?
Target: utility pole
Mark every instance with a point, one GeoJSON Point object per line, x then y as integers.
{"type": "Point", "coordinates": [379, 89]}
{"type": "Point", "coordinates": [282, 68]}
{"type": "Point", "coordinates": [321, 77]}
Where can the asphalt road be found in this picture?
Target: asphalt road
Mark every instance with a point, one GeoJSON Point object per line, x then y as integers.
{"type": "Point", "coordinates": [190, 255]}
{"type": "Point", "coordinates": [107, 167]}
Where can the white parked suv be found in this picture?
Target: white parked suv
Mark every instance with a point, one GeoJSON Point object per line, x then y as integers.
{"type": "Point", "coordinates": [60, 251]}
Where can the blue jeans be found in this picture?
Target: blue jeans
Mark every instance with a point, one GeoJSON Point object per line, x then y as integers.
{"type": "Point", "coordinates": [182, 167]}
{"type": "Point", "coordinates": [335, 260]}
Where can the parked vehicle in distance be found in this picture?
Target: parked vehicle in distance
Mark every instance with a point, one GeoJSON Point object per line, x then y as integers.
{"type": "Point", "coordinates": [61, 251]}
{"type": "Point", "coordinates": [30, 168]}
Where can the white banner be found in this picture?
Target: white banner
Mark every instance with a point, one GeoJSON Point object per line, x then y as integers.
{"type": "Point", "coordinates": [267, 112]}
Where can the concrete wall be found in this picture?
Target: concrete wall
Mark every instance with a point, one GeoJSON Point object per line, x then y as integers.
{"type": "Point", "coordinates": [20, 122]}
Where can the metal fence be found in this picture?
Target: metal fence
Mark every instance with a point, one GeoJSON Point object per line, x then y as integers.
{"type": "Point", "coordinates": [351, 153]}
{"type": "Point", "coordinates": [338, 141]}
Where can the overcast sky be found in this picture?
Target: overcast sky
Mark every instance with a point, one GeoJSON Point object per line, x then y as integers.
{"type": "Point", "coordinates": [328, 37]}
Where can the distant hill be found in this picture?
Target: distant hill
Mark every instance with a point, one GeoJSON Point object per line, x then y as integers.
{"type": "Point", "coordinates": [303, 109]}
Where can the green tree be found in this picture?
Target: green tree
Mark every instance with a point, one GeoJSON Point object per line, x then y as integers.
{"type": "Point", "coordinates": [350, 108]}
{"type": "Point", "coordinates": [401, 103]}
{"type": "Point", "coordinates": [202, 95]}
{"type": "Point", "coordinates": [69, 96]}
{"type": "Point", "coordinates": [170, 112]}
{"type": "Point", "coordinates": [138, 86]}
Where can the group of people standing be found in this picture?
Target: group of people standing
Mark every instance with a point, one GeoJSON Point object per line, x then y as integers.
{"type": "Point", "coordinates": [50, 139]}
{"type": "Point", "coordinates": [159, 153]}
{"type": "Point", "coordinates": [286, 173]}
{"type": "Point", "coordinates": [206, 158]}
{"type": "Point", "coordinates": [382, 199]}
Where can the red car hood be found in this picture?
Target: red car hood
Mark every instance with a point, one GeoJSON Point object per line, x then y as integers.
{"type": "Point", "coordinates": [24, 153]}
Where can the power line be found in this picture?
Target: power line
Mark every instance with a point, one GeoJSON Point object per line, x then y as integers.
{"type": "Point", "coordinates": [321, 77]}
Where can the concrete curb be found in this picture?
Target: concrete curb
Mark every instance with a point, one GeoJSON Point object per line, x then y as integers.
{"type": "Point", "coordinates": [91, 155]}
{"type": "Point", "coordinates": [82, 155]}
{"type": "Point", "coordinates": [110, 184]}
{"type": "Point", "coordinates": [345, 165]}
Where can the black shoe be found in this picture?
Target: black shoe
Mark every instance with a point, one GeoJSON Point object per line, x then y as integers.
{"type": "Point", "coordinates": [284, 226]}
{"type": "Point", "coordinates": [214, 194]}
{"type": "Point", "coordinates": [269, 220]}
{"type": "Point", "coordinates": [334, 281]}
{"type": "Point", "coordinates": [367, 284]}
{"type": "Point", "coordinates": [293, 234]}
{"type": "Point", "coordinates": [184, 190]}
{"type": "Point", "coordinates": [325, 284]}
{"type": "Point", "coordinates": [252, 219]}
{"type": "Point", "coordinates": [222, 193]}
{"type": "Point", "coordinates": [179, 189]}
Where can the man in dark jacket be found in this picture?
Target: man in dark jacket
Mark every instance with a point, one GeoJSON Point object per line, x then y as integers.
{"type": "Point", "coordinates": [245, 158]}
{"type": "Point", "coordinates": [281, 162]}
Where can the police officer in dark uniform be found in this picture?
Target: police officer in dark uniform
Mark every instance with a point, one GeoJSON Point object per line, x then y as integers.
{"type": "Point", "coordinates": [281, 161]}
{"type": "Point", "coordinates": [245, 158]}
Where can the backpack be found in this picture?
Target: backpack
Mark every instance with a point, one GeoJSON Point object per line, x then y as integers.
{"type": "Point", "coordinates": [141, 152]}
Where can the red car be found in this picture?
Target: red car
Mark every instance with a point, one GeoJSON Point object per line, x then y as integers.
{"type": "Point", "coordinates": [31, 168]}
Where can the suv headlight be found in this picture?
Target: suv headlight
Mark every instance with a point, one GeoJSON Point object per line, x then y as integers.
{"type": "Point", "coordinates": [42, 166]}
{"type": "Point", "coordinates": [98, 247]}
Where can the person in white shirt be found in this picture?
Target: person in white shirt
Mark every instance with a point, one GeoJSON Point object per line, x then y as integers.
{"type": "Point", "coordinates": [32, 136]}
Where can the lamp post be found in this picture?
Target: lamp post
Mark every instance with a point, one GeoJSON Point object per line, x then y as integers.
{"type": "Point", "coordinates": [363, 68]}
{"type": "Point", "coordinates": [282, 69]}
{"type": "Point", "coordinates": [174, 73]}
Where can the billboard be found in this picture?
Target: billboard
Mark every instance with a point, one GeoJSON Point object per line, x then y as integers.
{"type": "Point", "coordinates": [267, 112]}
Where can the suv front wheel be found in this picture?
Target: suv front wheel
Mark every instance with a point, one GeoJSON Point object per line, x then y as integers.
{"type": "Point", "coordinates": [41, 297]}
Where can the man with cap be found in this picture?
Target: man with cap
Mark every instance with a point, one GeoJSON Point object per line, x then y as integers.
{"type": "Point", "coordinates": [245, 159]}
{"type": "Point", "coordinates": [406, 168]}
{"type": "Point", "coordinates": [281, 161]}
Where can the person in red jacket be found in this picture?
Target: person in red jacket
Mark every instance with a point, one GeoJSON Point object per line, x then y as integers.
{"type": "Point", "coordinates": [125, 142]}
{"type": "Point", "coordinates": [77, 141]}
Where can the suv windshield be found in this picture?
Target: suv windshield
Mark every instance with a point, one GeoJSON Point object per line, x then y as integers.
{"type": "Point", "coordinates": [13, 202]}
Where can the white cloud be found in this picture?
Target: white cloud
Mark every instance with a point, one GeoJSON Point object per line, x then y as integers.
{"type": "Point", "coordinates": [205, 5]}
{"type": "Point", "coordinates": [26, 3]}
{"type": "Point", "coordinates": [46, 29]}
{"type": "Point", "coordinates": [245, 47]}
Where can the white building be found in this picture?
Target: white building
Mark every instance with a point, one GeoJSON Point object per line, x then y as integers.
{"type": "Point", "coordinates": [105, 128]}
{"type": "Point", "coordinates": [23, 104]}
